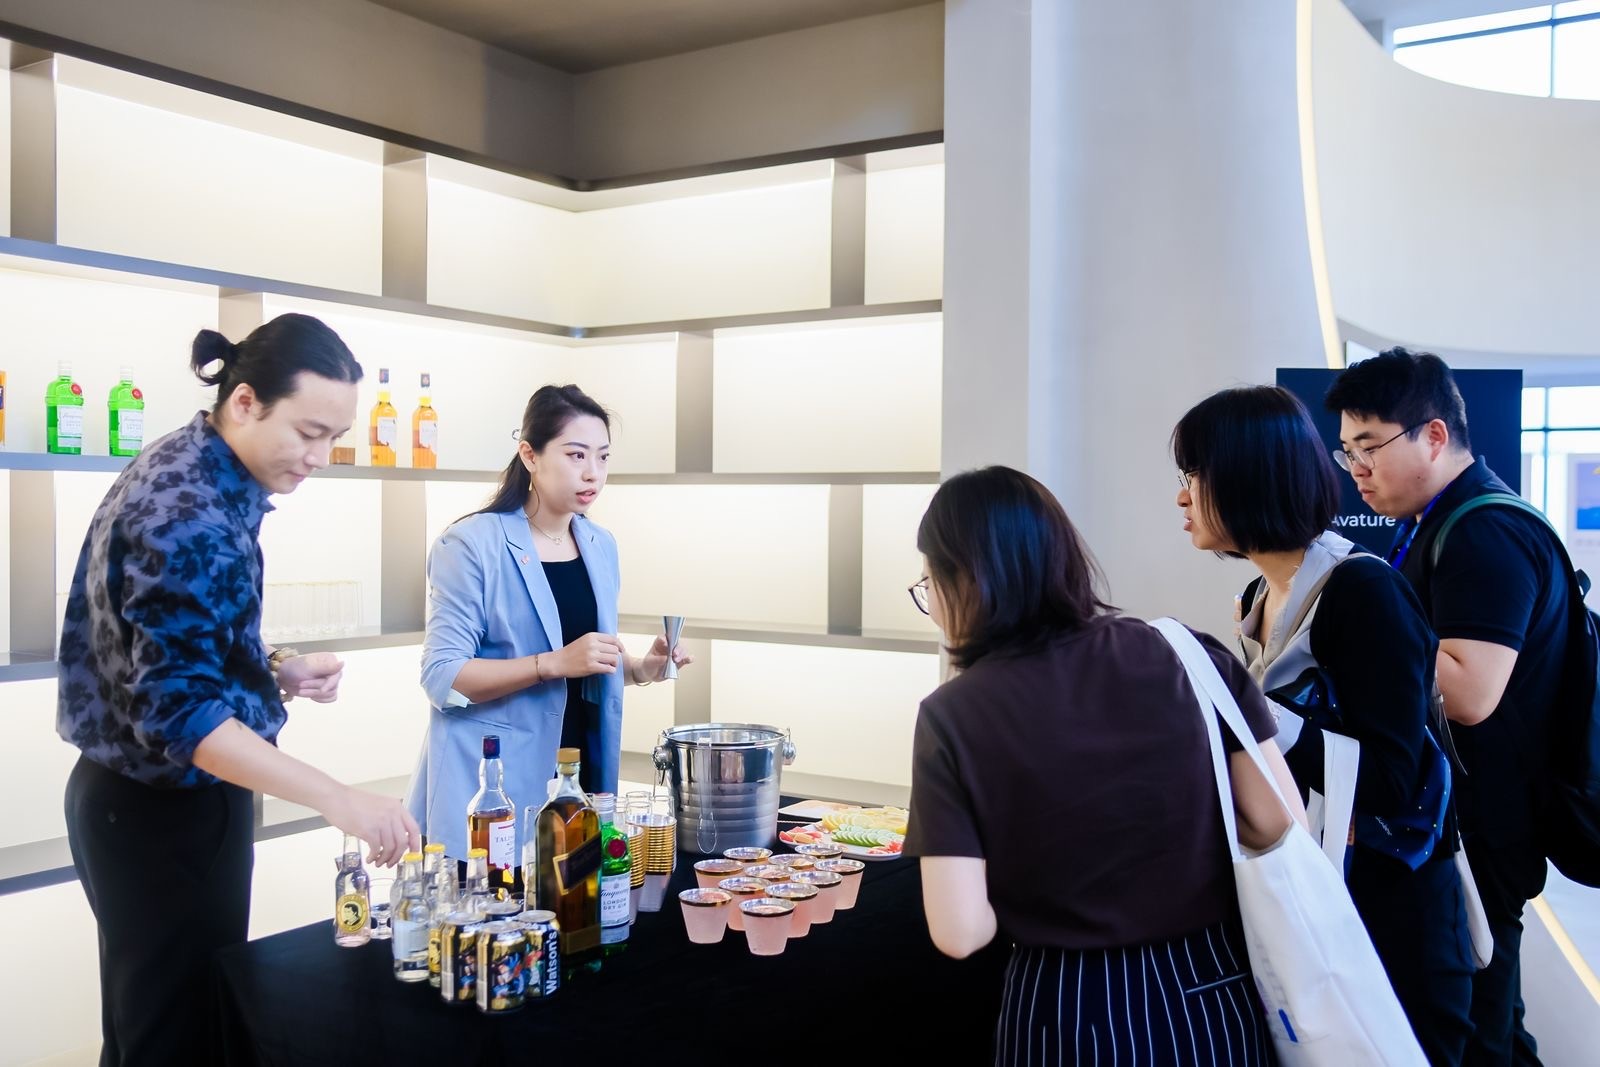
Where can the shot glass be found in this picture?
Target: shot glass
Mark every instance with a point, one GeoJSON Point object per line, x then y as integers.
{"type": "Point", "coordinates": [804, 898]}
{"type": "Point", "coordinates": [708, 873]}
{"type": "Point", "coordinates": [827, 884]}
{"type": "Point", "coordinates": [748, 856]}
{"type": "Point", "coordinates": [380, 889]}
{"type": "Point", "coordinates": [705, 914]}
{"type": "Point", "coordinates": [741, 889]}
{"type": "Point", "coordinates": [767, 922]}
{"type": "Point", "coordinates": [850, 888]}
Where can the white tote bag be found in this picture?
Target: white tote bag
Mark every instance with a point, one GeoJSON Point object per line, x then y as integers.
{"type": "Point", "coordinates": [1328, 1001]}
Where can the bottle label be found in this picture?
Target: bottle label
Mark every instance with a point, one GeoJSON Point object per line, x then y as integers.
{"type": "Point", "coordinates": [614, 899]}
{"type": "Point", "coordinates": [503, 843]}
{"type": "Point", "coordinates": [130, 430]}
{"type": "Point", "coordinates": [410, 940]}
{"type": "Point", "coordinates": [428, 433]}
{"type": "Point", "coordinates": [69, 424]}
{"type": "Point", "coordinates": [387, 430]}
{"type": "Point", "coordinates": [352, 913]}
{"type": "Point", "coordinates": [575, 866]}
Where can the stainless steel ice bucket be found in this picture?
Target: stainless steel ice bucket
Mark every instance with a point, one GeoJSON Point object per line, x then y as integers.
{"type": "Point", "coordinates": [725, 782]}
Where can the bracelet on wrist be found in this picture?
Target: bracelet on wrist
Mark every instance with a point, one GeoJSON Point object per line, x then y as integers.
{"type": "Point", "coordinates": [278, 655]}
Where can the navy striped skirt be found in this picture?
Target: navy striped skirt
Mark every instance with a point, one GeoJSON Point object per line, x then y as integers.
{"type": "Point", "coordinates": [1180, 1003]}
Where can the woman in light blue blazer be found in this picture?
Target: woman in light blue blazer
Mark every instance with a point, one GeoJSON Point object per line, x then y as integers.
{"type": "Point", "coordinates": [522, 626]}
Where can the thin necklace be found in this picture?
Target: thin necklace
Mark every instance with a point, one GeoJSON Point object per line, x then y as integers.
{"type": "Point", "coordinates": [557, 538]}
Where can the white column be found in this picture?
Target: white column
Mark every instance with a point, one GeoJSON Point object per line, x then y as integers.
{"type": "Point", "coordinates": [1125, 233]}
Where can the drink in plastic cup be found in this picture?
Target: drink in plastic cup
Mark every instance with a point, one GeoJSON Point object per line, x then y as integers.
{"type": "Point", "coordinates": [767, 922]}
{"type": "Point", "coordinates": [851, 871]}
{"type": "Point", "coordinates": [793, 861]}
{"type": "Point", "coordinates": [827, 884]}
{"type": "Point", "coordinates": [748, 856]}
{"type": "Point", "coordinates": [804, 898]}
{"type": "Point", "coordinates": [741, 889]}
{"type": "Point", "coordinates": [767, 872]}
{"type": "Point", "coordinates": [705, 914]}
{"type": "Point", "coordinates": [819, 852]}
{"type": "Point", "coordinates": [707, 873]}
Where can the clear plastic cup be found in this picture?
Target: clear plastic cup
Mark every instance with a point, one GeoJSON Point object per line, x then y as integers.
{"type": "Point", "coordinates": [742, 889]}
{"type": "Point", "coordinates": [819, 852]}
{"type": "Point", "coordinates": [748, 856]}
{"type": "Point", "coordinates": [708, 873]}
{"type": "Point", "coordinates": [767, 872]}
{"type": "Point", "coordinates": [827, 884]}
{"type": "Point", "coordinates": [705, 914]}
{"type": "Point", "coordinates": [804, 898]}
{"type": "Point", "coordinates": [849, 870]}
{"type": "Point", "coordinates": [793, 861]}
{"type": "Point", "coordinates": [767, 922]}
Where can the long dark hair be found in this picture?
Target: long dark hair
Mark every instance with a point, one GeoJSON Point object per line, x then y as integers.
{"type": "Point", "coordinates": [1266, 480]}
{"type": "Point", "coordinates": [547, 414]}
{"type": "Point", "coordinates": [270, 358]}
{"type": "Point", "coordinates": [1010, 566]}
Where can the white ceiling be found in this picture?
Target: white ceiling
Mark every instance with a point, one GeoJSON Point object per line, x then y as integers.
{"type": "Point", "coordinates": [1415, 12]}
{"type": "Point", "coordinates": [585, 35]}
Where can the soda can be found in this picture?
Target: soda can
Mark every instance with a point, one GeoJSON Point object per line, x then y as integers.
{"type": "Point", "coordinates": [502, 952]}
{"type": "Point", "coordinates": [458, 957]}
{"type": "Point", "coordinates": [543, 966]}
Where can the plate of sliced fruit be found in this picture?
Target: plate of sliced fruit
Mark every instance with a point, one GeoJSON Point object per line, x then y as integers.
{"type": "Point", "coordinates": [863, 833]}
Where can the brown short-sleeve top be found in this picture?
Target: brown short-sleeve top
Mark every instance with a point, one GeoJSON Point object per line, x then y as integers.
{"type": "Point", "coordinates": [1082, 775]}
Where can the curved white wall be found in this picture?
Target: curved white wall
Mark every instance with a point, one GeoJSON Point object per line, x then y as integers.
{"type": "Point", "coordinates": [1455, 219]}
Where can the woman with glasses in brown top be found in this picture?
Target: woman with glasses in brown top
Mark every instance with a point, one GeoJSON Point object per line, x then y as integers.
{"type": "Point", "coordinates": [1063, 797]}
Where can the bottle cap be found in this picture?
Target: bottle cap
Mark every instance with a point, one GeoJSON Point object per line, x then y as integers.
{"type": "Point", "coordinates": [126, 374]}
{"type": "Point", "coordinates": [411, 857]}
{"type": "Point", "coordinates": [426, 381]}
{"type": "Point", "coordinates": [477, 853]}
{"type": "Point", "coordinates": [491, 746]}
{"type": "Point", "coordinates": [64, 369]}
{"type": "Point", "coordinates": [433, 847]}
{"type": "Point", "coordinates": [567, 755]}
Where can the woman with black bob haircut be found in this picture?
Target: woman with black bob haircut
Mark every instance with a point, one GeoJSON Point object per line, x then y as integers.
{"type": "Point", "coordinates": [1338, 641]}
{"type": "Point", "coordinates": [1062, 790]}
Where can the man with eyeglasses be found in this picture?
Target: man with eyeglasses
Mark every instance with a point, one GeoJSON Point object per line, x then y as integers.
{"type": "Point", "coordinates": [1497, 601]}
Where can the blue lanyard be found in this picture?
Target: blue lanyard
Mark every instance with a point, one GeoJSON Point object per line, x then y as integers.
{"type": "Point", "coordinates": [1397, 555]}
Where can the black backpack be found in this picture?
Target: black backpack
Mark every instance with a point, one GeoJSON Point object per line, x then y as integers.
{"type": "Point", "coordinates": [1571, 834]}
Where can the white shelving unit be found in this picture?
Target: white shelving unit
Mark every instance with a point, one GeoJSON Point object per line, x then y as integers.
{"type": "Point", "coordinates": [768, 340]}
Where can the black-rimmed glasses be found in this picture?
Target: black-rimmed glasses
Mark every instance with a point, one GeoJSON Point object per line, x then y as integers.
{"type": "Point", "coordinates": [919, 594]}
{"type": "Point", "coordinates": [1355, 455]}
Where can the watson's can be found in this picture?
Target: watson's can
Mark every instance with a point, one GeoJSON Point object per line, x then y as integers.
{"type": "Point", "coordinates": [543, 966]}
{"type": "Point", "coordinates": [458, 957]}
{"type": "Point", "coordinates": [502, 952]}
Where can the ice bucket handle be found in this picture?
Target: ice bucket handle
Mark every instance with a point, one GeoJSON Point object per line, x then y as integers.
{"type": "Point", "coordinates": [661, 756]}
{"type": "Point", "coordinates": [788, 747]}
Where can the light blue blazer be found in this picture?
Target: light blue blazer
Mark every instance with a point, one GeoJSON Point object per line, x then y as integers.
{"type": "Point", "coordinates": [488, 599]}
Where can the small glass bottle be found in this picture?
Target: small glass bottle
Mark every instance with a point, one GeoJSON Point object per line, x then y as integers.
{"type": "Point", "coordinates": [352, 897]}
{"type": "Point", "coordinates": [475, 897]}
{"type": "Point", "coordinates": [126, 408]}
{"type": "Point", "coordinates": [409, 918]}
{"type": "Point", "coordinates": [615, 875]}
{"type": "Point", "coordinates": [63, 413]}
{"type": "Point", "coordinates": [425, 430]}
{"type": "Point", "coordinates": [384, 425]}
{"type": "Point", "coordinates": [492, 819]}
{"type": "Point", "coordinates": [433, 860]}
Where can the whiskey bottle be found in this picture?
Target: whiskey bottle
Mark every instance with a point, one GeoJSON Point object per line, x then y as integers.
{"type": "Point", "coordinates": [352, 897]}
{"type": "Point", "coordinates": [425, 430]}
{"type": "Point", "coordinates": [384, 426]}
{"type": "Point", "coordinates": [491, 819]}
{"type": "Point", "coordinates": [63, 413]}
{"type": "Point", "coordinates": [408, 915]}
{"type": "Point", "coordinates": [566, 861]}
{"type": "Point", "coordinates": [615, 876]}
{"type": "Point", "coordinates": [126, 408]}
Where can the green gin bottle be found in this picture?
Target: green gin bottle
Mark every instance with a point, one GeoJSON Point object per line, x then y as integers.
{"type": "Point", "coordinates": [615, 875]}
{"type": "Point", "coordinates": [63, 413]}
{"type": "Point", "coordinates": [127, 416]}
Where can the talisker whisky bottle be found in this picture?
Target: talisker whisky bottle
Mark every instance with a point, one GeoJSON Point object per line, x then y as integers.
{"type": "Point", "coordinates": [384, 426]}
{"type": "Point", "coordinates": [566, 862]}
{"type": "Point", "coordinates": [492, 820]}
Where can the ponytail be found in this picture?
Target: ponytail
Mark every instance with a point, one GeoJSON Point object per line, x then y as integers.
{"type": "Point", "coordinates": [271, 358]}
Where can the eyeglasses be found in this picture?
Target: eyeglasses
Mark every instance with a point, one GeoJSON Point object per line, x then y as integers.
{"type": "Point", "coordinates": [919, 594]}
{"type": "Point", "coordinates": [1186, 479]}
{"type": "Point", "coordinates": [1355, 455]}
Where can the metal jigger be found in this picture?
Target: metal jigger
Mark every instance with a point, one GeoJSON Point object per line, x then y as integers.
{"type": "Point", "coordinates": [674, 627]}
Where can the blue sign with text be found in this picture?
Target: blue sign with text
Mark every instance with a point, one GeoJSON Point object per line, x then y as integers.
{"type": "Point", "coordinates": [1494, 422]}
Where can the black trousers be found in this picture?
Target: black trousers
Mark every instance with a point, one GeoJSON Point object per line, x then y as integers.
{"type": "Point", "coordinates": [1188, 1002]}
{"type": "Point", "coordinates": [1508, 877]}
{"type": "Point", "coordinates": [167, 874]}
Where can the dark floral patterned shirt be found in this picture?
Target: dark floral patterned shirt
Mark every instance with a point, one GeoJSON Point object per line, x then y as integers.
{"type": "Point", "coordinates": [162, 639]}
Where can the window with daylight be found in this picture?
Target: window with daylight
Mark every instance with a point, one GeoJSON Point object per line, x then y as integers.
{"type": "Point", "coordinates": [1546, 50]}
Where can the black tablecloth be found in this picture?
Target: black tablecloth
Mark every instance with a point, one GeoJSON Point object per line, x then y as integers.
{"type": "Point", "coordinates": [871, 979]}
